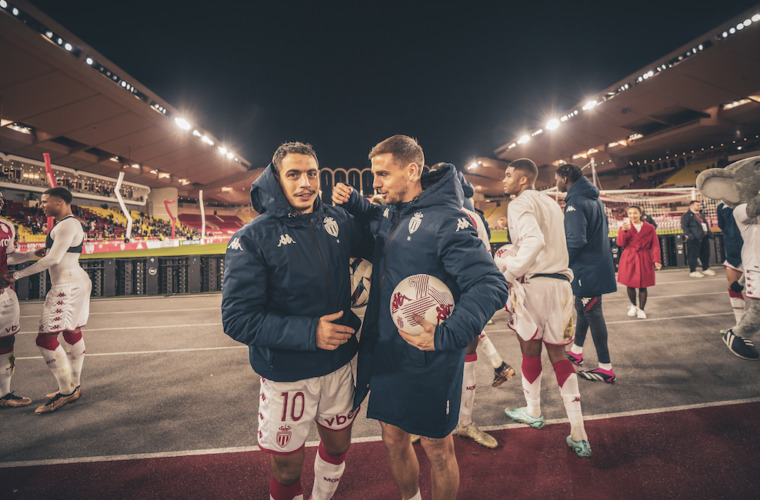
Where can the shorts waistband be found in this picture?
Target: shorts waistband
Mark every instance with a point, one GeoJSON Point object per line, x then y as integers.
{"type": "Point", "coordinates": [556, 276]}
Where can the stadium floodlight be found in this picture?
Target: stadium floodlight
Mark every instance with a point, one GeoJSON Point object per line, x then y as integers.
{"type": "Point", "coordinates": [552, 124]}
{"type": "Point", "coordinates": [229, 155]}
{"type": "Point", "coordinates": [222, 150]}
{"type": "Point", "coordinates": [182, 123]}
{"type": "Point", "coordinates": [3, 4]}
{"type": "Point", "coordinates": [523, 139]}
{"type": "Point", "coordinates": [472, 165]}
{"type": "Point", "coordinates": [589, 104]}
{"type": "Point", "coordinates": [756, 18]}
{"type": "Point", "coordinates": [196, 133]}
{"type": "Point", "coordinates": [135, 165]}
{"type": "Point", "coordinates": [89, 61]}
{"type": "Point", "coordinates": [15, 11]}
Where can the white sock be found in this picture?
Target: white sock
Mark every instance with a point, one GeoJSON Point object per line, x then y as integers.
{"type": "Point", "coordinates": [571, 397]}
{"type": "Point", "coordinates": [493, 355]}
{"type": "Point", "coordinates": [59, 365]}
{"type": "Point", "coordinates": [6, 371]}
{"type": "Point", "coordinates": [576, 349]}
{"type": "Point", "coordinates": [532, 395]}
{"type": "Point", "coordinates": [75, 353]}
{"type": "Point", "coordinates": [468, 391]}
{"type": "Point", "coordinates": [737, 305]}
{"type": "Point", "coordinates": [327, 474]}
{"type": "Point", "coordinates": [605, 366]}
{"type": "Point", "coordinates": [417, 496]}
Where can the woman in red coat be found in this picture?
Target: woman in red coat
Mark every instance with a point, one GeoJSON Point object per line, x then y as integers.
{"type": "Point", "coordinates": [640, 259]}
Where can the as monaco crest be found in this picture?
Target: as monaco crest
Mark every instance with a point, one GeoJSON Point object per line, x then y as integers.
{"type": "Point", "coordinates": [331, 226]}
{"type": "Point", "coordinates": [284, 435]}
{"type": "Point", "coordinates": [414, 224]}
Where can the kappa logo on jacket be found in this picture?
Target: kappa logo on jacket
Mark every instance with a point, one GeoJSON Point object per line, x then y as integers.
{"type": "Point", "coordinates": [570, 208]}
{"type": "Point", "coordinates": [285, 239]}
{"type": "Point", "coordinates": [414, 224]}
{"type": "Point", "coordinates": [235, 244]}
{"type": "Point", "coordinates": [386, 212]}
{"type": "Point", "coordinates": [462, 223]}
{"type": "Point", "coordinates": [330, 226]}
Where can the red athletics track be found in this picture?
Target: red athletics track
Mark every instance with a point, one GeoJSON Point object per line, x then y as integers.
{"type": "Point", "coordinates": [709, 452]}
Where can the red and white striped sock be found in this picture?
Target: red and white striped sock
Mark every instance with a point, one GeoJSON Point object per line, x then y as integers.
{"type": "Point", "coordinates": [468, 390]}
{"type": "Point", "coordinates": [279, 491]}
{"type": "Point", "coordinates": [328, 470]}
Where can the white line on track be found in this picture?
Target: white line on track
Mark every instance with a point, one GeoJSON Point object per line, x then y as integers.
{"type": "Point", "coordinates": [85, 329]}
{"type": "Point", "coordinates": [134, 311]}
{"type": "Point", "coordinates": [164, 351]}
{"type": "Point", "coordinates": [368, 439]}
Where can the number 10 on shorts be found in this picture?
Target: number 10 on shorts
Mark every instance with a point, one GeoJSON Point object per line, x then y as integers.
{"type": "Point", "coordinates": [294, 406]}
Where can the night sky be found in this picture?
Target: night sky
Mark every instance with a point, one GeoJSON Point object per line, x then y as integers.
{"type": "Point", "coordinates": [463, 77]}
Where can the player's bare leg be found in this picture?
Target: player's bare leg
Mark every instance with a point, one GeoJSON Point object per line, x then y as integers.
{"type": "Point", "coordinates": [444, 468]}
{"type": "Point", "coordinates": [402, 460]}
{"type": "Point", "coordinates": [466, 427]}
{"type": "Point", "coordinates": [330, 461]}
{"type": "Point", "coordinates": [286, 475]}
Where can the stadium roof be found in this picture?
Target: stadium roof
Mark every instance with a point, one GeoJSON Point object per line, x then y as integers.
{"type": "Point", "coordinates": [58, 95]}
{"type": "Point", "coordinates": [705, 93]}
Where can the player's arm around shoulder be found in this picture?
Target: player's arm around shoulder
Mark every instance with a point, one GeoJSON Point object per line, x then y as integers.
{"type": "Point", "coordinates": [483, 289]}
{"type": "Point", "coordinates": [245, 313]}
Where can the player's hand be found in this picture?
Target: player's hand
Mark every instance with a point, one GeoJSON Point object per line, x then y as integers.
{"type": "Point", "coordinates": [657, 266]}
{"type": "Point", "coordinates": [41, 252]}
{"type": "Point", "coordinates": [341, 193]}
{"type": "Point", "coordinates": [626, 226]}
{"type": "Point", "coordinates": [425, 341]}
{"type": "Point", "coordinates": [6, 280]}
{"type": "Point", "coordinates": [330, 335]}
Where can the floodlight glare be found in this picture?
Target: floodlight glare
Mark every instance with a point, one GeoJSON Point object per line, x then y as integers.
{"type": "Point", "coordinates": [552, 124]}
{"type": "Point", "coordinates": [756, 18]}
{"type": "Point", "coordinates": [89, 61]}
{"type": "Point", "coordinates": [523, 139]}
{"type": "Point", "coordinates": [3, 4]}
{"type": "Point", "coordinates": [182, 123]}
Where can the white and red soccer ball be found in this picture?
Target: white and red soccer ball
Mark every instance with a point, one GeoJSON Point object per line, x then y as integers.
{"type": "Point", "coordinates": [361, 279]}
{"type": "Point", "coordinates": [420, 294]}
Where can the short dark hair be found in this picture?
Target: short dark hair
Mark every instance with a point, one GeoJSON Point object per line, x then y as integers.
{"type": "Point", "coordinates": [403, 148]}
{"type": "Point", "coordinates": [527, 167]}
{"type": "Point", "coordinates": [570, 172]}
{"type": "Point", "coordinates": [295, 148]}
{"type": "Point", "coordinates": [61, 193]}
{"type": "Point", "coordinates": [692, 202]}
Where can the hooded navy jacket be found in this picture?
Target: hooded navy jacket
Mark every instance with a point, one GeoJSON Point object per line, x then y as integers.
{"type": "Point", "coordinates": [283, 271]}
{"type": "Point", "coordinates": [420, 391]}
{"type": "Point", "coordinates": [588, 243]}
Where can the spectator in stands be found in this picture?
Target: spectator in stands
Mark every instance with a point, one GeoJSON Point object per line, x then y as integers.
{"type": "Point", "coordinates": [639, 260]}
{"type": "Point", "coordinates": [696, 230]}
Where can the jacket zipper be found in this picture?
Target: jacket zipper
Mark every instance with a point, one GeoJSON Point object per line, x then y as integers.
{"type": "Point", "coordinates": [385, 254]}
{"type": "Point", "coordinates": [327, 282]}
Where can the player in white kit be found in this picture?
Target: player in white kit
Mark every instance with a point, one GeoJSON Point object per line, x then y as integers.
{"type": "Point", "coordinates": [9, 315]}
{"type": "Point", "coordinates": [67, 304]}
{"type": "Point", "coordinates": [540, 298]}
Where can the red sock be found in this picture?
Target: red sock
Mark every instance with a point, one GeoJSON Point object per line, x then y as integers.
{"type": "Point", "coordinates": [279, 491]}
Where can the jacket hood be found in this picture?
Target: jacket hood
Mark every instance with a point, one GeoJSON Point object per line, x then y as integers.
{"type": "Point", "coordinates": [267, 195]}
{"type": "Point", "coordinates": [582, 188]}
{"type": "Point", "coordinates": [468, 190]}
{"type": "Point", "coordinates": [440, 187]}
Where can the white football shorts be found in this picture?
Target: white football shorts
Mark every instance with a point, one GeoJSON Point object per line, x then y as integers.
{"type": "Point", "coordinates": [542, 309]}
{"type": "Point", "coordinates": [9, 312]}
{"type": "Point", "coordinates": [67, 307]}
{"type": "Point", "coordinates": [287, 409]}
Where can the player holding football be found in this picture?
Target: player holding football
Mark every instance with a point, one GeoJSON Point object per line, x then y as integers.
{"type": "Point", "coordinates": [287, 296]}
{"type": "Point", "coordinates": [415, 382]}
{"type": "Point", "coordinates": [541, 299]}
{"type": "Point", "coordinates": [67, 304]}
